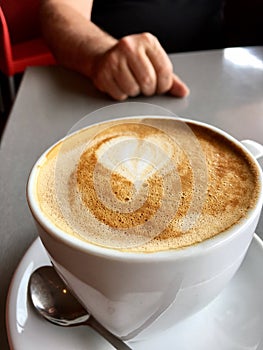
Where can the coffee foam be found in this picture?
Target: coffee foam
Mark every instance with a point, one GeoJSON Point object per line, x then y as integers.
{"type": "Point", "coordinates": [146, 185]}
{"type": "Point", "coordinates": [111, 166]}
{"type": "Point", "coordinates": [135, 159]}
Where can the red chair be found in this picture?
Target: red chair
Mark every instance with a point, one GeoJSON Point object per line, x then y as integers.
{"type": "Point", "coordinates": [21, 44]}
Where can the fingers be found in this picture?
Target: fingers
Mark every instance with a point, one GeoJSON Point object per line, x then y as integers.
{"type": "Point", "coordinates": [103, 76]}
{"type": "Point", "coordinates": [126, 80]}
{"type": "Point", "coordinates": [178, 88]}
{"type": "Point", "coordinates": [111, 87]}
{"type": "Point", "coordinates": [137, 64]}
{"type": "Point", "coordinates": [162, 65]}
{"type": "Point", "coordinates": [151, 66]}
{"type": "Point", "coordinates": [133, 47]}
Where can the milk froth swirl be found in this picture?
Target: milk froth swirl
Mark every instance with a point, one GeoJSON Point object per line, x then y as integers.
{"type": "Point", "coordinates": [128, 182]}
{"type": "Point", "coordinates": [146, 184]}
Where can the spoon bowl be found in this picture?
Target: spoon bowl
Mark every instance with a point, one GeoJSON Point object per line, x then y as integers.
{"type": "Point", "coordinates": [54, 301]}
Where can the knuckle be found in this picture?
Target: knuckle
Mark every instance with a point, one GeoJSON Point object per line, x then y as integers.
{"type": "Point", "coordinates": [148, 37]}
{"type": "Point", "coordinates": [148, 86]}
{"type": "Point", "coordinates": [133, 91]}
{"type": "Point", "coordinates": [130, 88]}
{"type": "Point", "coordinates": [126, 44]}
{"type": "Point", "coordinates": [114, 93]}
{"type": "Point", "coordinates": [119, 97]}
{"type": "Point", "coordinates": [147, 81]}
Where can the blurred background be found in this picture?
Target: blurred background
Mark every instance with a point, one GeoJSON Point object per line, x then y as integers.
{"type": "Point", "coordinates": [242, 20]}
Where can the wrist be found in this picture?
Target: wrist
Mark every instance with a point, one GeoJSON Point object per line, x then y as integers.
{"type": "Point", "coordinates": [94, 53]}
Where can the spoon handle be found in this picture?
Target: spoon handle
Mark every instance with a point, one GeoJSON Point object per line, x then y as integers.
{"type": "Point", "coordinates": [116, 342]}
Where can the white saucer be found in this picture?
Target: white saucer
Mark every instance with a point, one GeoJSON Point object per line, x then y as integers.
{"type": "Point", "coordinates": [234, 321]}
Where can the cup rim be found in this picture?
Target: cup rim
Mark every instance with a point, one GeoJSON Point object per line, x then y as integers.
{"type": "Point", "coordinates": [117, 254]}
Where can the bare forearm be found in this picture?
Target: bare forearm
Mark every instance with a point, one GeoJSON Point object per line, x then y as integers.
{"type": "Point", "coordinates": [75, 41]}
{"type": "Point", "coordinates": [127, 67]}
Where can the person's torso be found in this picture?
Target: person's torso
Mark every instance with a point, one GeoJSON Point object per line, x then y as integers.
{"type": "Point", "coordinates": [180, 25]}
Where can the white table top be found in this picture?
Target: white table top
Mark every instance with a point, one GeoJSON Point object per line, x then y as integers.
{"type": "Point", "coordinates": [226, 91]}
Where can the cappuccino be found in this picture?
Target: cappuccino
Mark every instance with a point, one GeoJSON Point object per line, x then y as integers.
{"type": "Point", "coordinates": [146, 185]}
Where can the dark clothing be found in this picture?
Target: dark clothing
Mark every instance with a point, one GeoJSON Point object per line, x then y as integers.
{"type": "Point", "coordinates": [180, 25]}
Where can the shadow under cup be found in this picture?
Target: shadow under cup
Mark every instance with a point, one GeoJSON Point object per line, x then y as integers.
{"type": "Point", "coordinates": [136, 295]}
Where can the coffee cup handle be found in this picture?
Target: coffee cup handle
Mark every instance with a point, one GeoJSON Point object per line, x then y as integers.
{"type": "Point", "coordinates": [254, 147]}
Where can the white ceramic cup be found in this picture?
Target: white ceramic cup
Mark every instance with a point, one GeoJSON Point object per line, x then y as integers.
{"type": "Point", "coordinates": [137, 295]}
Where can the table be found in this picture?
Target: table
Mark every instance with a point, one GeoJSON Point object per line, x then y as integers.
{"type": "Point", "coordinates": [226, 91]}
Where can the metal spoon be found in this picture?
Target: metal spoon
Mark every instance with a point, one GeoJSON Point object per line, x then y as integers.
{"type": "Point", "coordinates": [54, 302]}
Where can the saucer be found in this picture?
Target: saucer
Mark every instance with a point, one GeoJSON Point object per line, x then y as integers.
{"type": "Point", "coordinates": [233, 321]}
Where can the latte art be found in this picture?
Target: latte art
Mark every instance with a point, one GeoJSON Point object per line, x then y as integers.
{"type": "Point", "coordinates": [146, 184]}
{"type": "Point", "coordinates": [125, 184]}
{"type": "Point", "coordinates": [133, 157]}
{"type": "Point", "coordinates": [132, 162]}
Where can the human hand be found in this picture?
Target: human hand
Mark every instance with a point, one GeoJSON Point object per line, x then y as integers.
{"type": "Point", "coordinates": [136, 64]}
